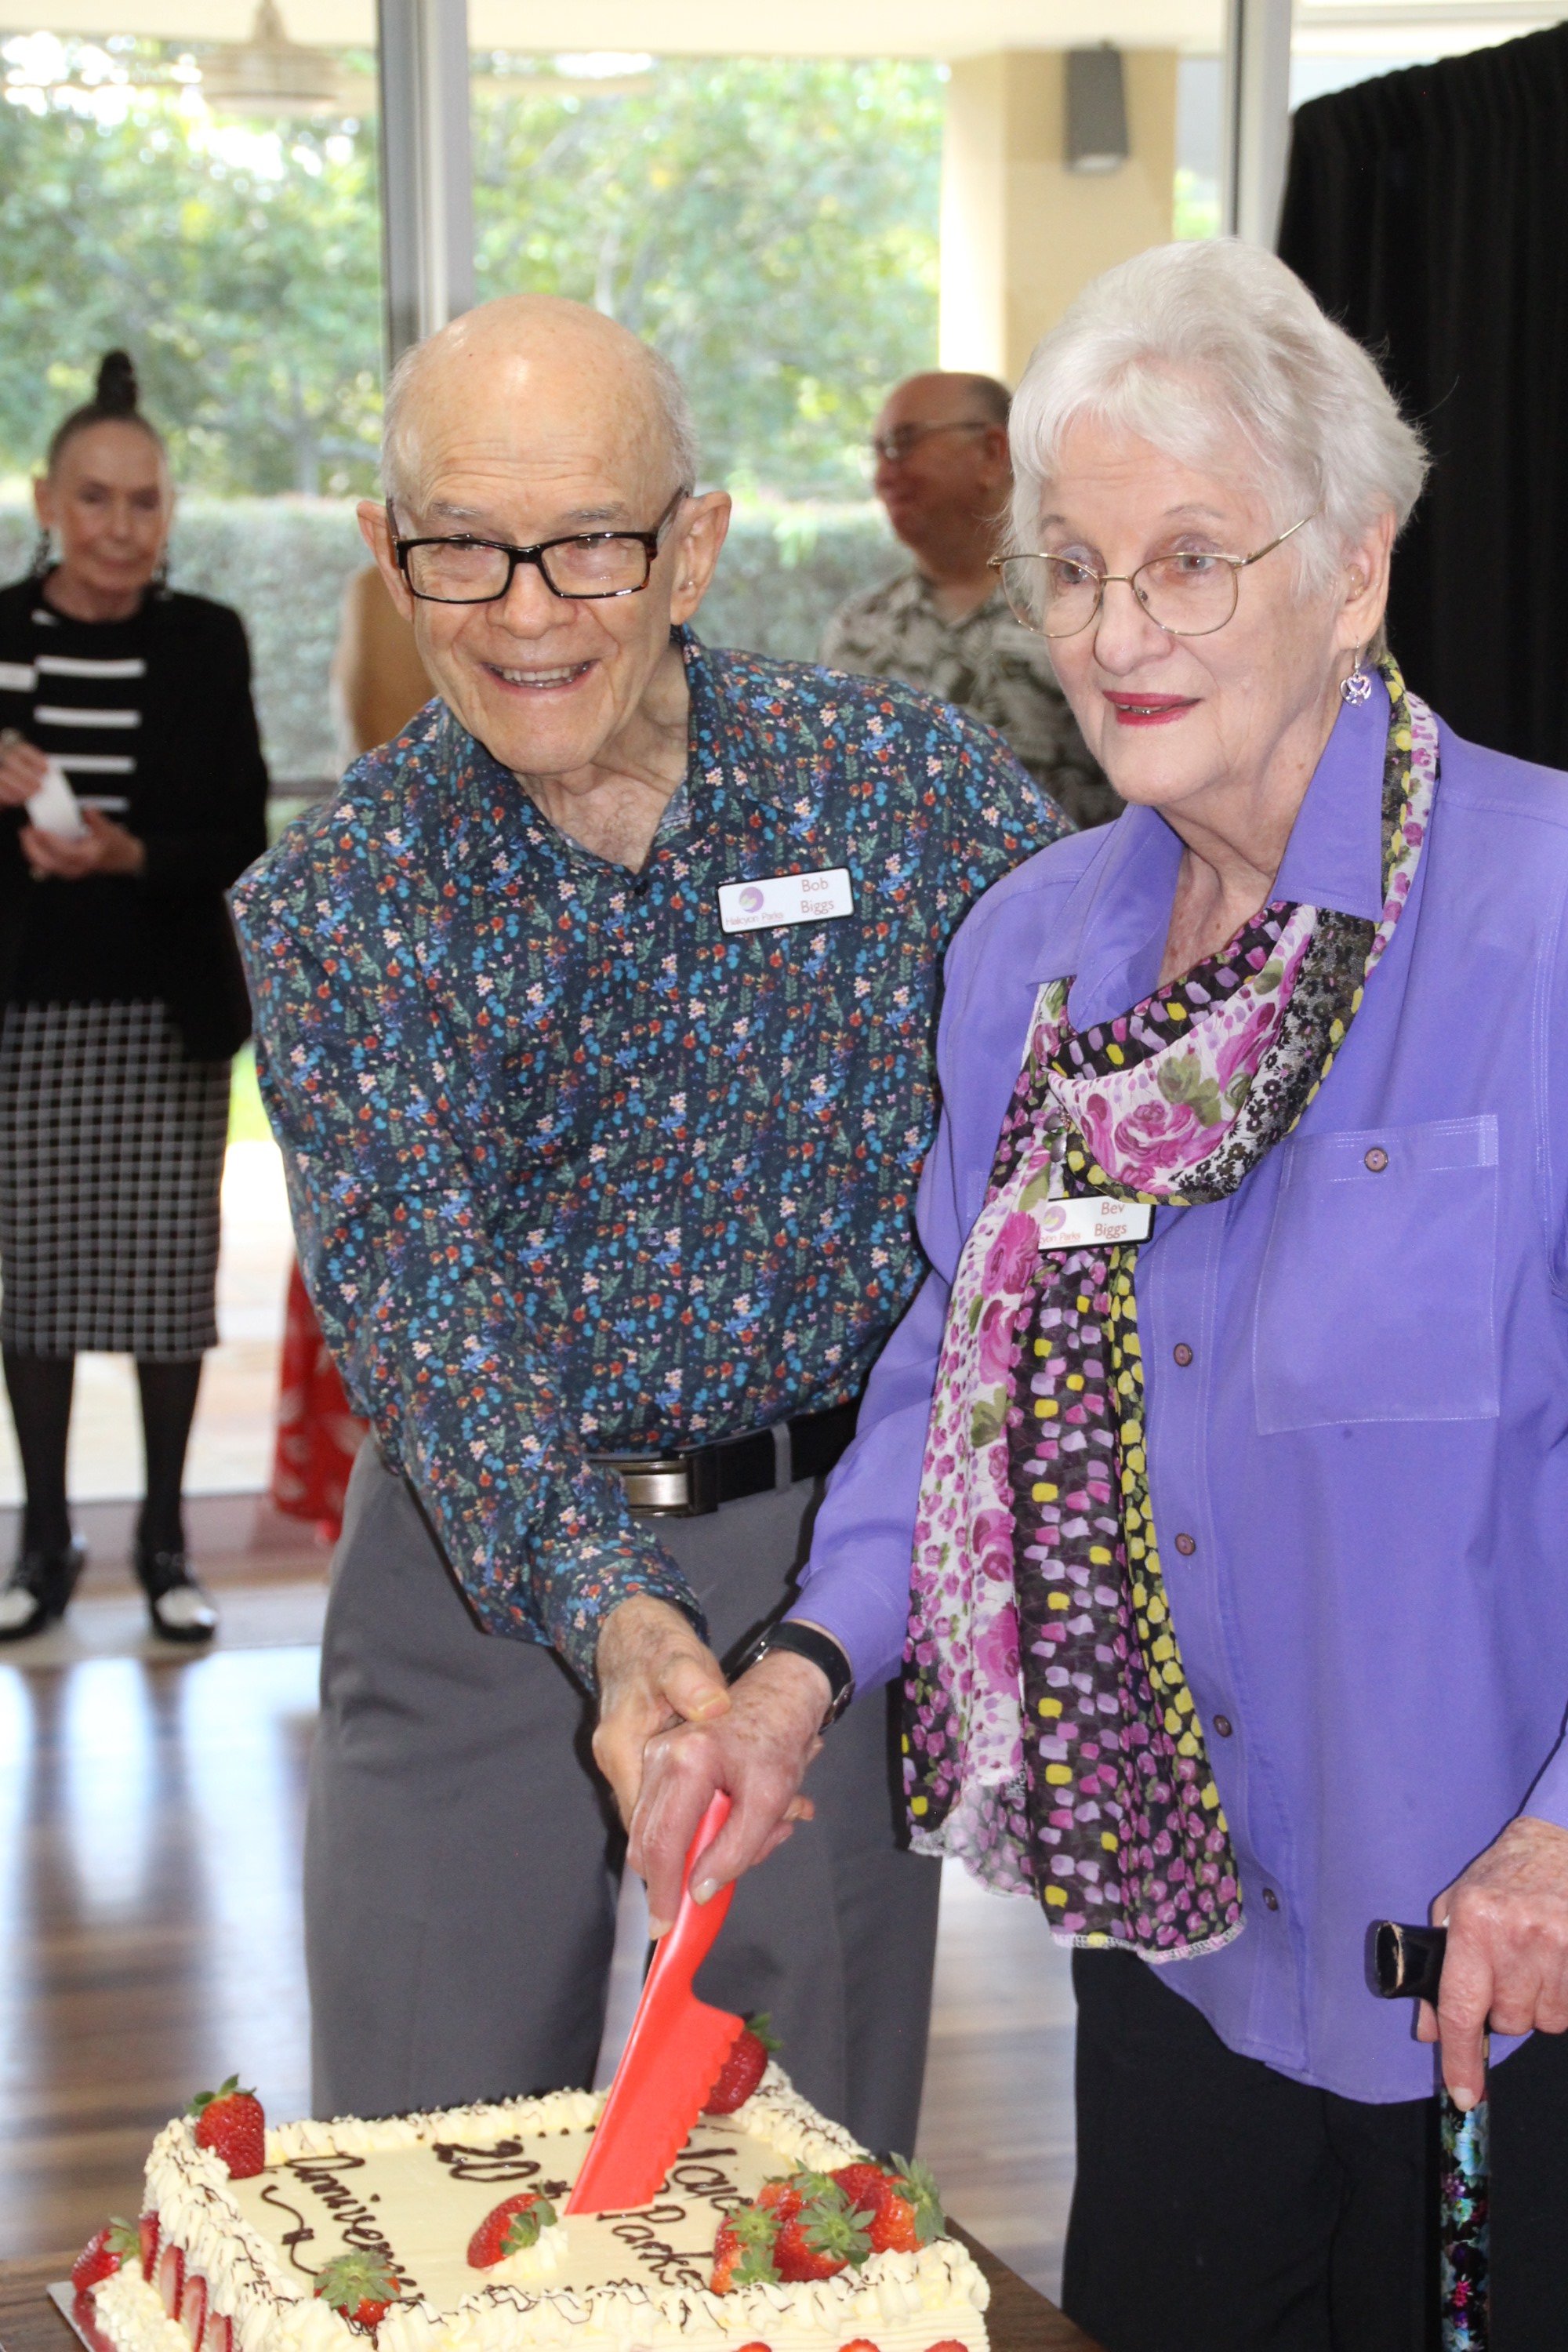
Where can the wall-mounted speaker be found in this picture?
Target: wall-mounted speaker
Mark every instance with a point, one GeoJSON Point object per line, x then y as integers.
{"type": "Point", "coordinates": [1096, 109]}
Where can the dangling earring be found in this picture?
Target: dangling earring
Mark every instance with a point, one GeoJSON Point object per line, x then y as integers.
{"type": "Point", "coordinates": [1357, 687]}
{"type": "Point", "coordinates": [160, 581]}
{"type": "Point", "coordinates": [42, 551]}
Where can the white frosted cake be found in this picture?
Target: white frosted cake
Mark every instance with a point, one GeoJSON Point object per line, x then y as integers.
{"type": "Point", "coordinates": [237, 2264]}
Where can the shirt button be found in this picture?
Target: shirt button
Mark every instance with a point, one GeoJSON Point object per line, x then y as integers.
{"type": "Point", "coordinates": [1270, 1900]}
{"type": "Point", "coordinates": [1224, 1725]}
{"type": "Point", "coordinates": [1183, 1353]}
{"type": "Point", "coordinates": [1377, 1159]}
{"type": "Point", "coordinates": [1186, 1545]}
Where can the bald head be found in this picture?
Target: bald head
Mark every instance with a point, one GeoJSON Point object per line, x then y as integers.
{"type": "Point", "coordinates": [953, 392]}
{"type": "Point", "coordinates": [512, 370]}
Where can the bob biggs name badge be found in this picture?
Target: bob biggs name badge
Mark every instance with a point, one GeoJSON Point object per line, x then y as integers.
{"type": "Point", "coordinates": [1094, 1223]}
{"type": "Point", "coordinates": [777, 900]}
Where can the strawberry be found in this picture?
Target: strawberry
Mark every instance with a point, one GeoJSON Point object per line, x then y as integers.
{"type": "Point", "coordinates": [230, 2122]}
{"type": "Point", "coordinates": [744, 2069]}
{"type": "Point", "coordinates": [358, 2286]}
{"type": "Point", "coordinates": [218, 2334]}
{"type": "Point", "coordinates": [511, 2229]}
{"type": "Point", "coordinates": [743, 2250]}
{"type": "Point", "coordinates": [825, 2236]}
{"type": "Point", "coordinates": [193, 2308]}
{"type": "Point", "coordinates": [105, 2251]}
{"type": "Point", "coordinates": [859, 2344]}
{"type": "Point", "coordinates": [948, 2344]}
{"type": "Point", "coordinates": [900, 2201]}
{"type": "Point", "coordinates": [147, 2231]}
{"type": "Point", "coordinates": [171, 2278]}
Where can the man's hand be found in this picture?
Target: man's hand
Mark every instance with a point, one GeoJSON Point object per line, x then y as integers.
{"type": "Point", "coordinates": [653, 1672]}
{"type": "Point", "coordinates": [105, 848]}
{"type": "Point", "coordinates": [758, 1749]}
{"type": "Point", "coordinates": [1507, 1958]}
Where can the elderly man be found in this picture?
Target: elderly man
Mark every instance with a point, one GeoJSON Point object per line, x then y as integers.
{"type": "Point", "coordinates": [943, 475]}
{"type": "Point", "coordinates": [594, 1020]}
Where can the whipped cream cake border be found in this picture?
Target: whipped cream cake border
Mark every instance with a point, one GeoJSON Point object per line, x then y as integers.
{"type": "Point", "coordinates": [269, 2311]}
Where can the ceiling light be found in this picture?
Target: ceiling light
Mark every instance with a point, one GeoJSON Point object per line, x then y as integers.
{"type": "Point", "coordinates": [271, 74]}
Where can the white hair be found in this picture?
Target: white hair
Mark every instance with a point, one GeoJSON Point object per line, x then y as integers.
{"type": "Point", "coordinates": [671, 412]}
{"type": "Point", "coordinates": [1216, 354]}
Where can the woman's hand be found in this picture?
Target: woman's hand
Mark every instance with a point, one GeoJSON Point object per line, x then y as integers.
{"type": "Point", "coordinates": [1507, 1957]}
{"type": "Point", "coordinates": [758, 1749]}
{"type": "Point", "coordinates": [105, 848]}
{"type": "Point", "coordinates": [22, 768]}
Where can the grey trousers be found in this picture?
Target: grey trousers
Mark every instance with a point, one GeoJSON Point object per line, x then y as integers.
{"type": "Point", "coordinates": [463, 1855]}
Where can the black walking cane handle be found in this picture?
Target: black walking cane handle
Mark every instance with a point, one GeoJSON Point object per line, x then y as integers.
{"type": "Point", "coordinates": [1408, 1962]}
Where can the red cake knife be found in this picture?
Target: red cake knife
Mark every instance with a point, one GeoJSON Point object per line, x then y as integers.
{"type": "Point", "coordinates": [674, 2055]}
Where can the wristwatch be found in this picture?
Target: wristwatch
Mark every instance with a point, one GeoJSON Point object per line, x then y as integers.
{"type": "Point", "coordinates": [806, 1642]}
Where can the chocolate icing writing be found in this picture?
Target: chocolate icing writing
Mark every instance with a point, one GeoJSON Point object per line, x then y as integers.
{"type": "Point", "coordinates": [670, 2268]}
{"type": "Point", "coordinates": [504, 2161]}
{"type": "Point", "coordinates": [357, 2225]}
{"type": "Point", "coordinates": [291, 2237]}
{"type": "Point", "coordinates": [700, 2176]}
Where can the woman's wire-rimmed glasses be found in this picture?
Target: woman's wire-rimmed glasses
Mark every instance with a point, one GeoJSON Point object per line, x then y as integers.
{"type": "Point", "coordinates": [586, 565]}
{"type": "Point", "coordinates": [1189, 593]}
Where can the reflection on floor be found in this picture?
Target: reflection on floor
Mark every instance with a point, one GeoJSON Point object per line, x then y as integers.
{"type": "Point", "coordinates": [151, 1816]}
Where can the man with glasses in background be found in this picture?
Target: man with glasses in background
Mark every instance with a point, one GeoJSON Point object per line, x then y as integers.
{"type": "Point", "coordinates": [943, 475]}
{"type": "Point", "coordinates": [594, 1020]}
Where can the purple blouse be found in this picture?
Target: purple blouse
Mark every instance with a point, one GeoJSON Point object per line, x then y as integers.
{"type": "Point", "coordinates": [1357, 1383]}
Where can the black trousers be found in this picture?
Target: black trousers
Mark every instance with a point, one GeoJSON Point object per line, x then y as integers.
{"type": "Point", "coordinates": [1220, 2207]}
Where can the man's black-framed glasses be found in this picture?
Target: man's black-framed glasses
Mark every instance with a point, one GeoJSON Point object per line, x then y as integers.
{"type": "Point", "coordinates": [585, 565]}
{"type": "Point", "coordinates": [1188, 595]}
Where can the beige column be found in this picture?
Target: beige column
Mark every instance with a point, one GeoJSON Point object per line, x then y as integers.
{"type": "Point", "coordinates": [1021, 234]}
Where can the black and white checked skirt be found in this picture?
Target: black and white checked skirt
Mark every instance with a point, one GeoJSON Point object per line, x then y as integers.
{"type": "Point", "coordinates": [111, 1145]}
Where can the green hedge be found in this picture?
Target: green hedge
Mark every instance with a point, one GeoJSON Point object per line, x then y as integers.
{"type": "Point", "coordinates": [284, 563]}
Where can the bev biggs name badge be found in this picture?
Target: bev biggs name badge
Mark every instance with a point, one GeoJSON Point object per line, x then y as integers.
{"type": "Point", "coordinates": [1082, 1224]}
{"type": "Point", "coordinates": [780, 899]}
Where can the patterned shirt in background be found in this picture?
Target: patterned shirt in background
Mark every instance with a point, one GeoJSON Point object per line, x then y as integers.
{"type": "Point", "coordinates": [987, 665]}
{"type": "Point", "coordinates": [571, 1169]}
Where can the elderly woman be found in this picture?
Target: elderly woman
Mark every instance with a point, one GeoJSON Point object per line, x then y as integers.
{"type": "Point", "coordinates": [1229, 1434]}
{"type": "Point", "coordinates": [121, 998]}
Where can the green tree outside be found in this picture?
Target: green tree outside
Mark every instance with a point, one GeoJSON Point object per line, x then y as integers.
{"type": "Point", "coordinates": [770, 226]}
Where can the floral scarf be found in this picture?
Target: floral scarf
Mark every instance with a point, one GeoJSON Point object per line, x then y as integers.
{"type": "Point", "coordinates": [1050, 1736]}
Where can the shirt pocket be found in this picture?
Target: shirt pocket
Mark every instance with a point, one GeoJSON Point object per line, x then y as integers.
{"type": "Point", "coordinates": [1375, 1301]}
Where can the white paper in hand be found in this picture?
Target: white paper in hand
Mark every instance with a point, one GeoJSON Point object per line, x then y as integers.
{"type": "Point", "coordinates": [54, 807]}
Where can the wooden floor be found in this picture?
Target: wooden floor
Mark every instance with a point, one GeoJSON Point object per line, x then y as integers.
{"type": "Point", "coordinates": [151, 1818]}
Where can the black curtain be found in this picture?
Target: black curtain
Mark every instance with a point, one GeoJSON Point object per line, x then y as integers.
{"type": "Point", "coordinates": [1428, 212]}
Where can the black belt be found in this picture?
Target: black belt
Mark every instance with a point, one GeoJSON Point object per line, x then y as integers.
{"type": "Point", "coordinates": [686, 1485]}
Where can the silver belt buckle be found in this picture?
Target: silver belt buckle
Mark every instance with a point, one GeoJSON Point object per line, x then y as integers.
{"type": "Point", "coordinates": [669, 1485]}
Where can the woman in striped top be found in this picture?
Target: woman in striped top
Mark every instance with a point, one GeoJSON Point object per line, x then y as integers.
{"type": "Point", "coordinates": [122, 995]}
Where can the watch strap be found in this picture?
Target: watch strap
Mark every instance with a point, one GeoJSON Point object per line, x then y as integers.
{"type": "Point", "coordinates": [809, 1641]}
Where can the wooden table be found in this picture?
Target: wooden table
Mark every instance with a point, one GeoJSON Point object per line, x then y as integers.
{"type": "Point", "coordinates": [1019, 2319]}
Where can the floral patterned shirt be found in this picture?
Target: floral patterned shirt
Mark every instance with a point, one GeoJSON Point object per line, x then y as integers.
{"type": "Point", "coordinates": [575, 1170]}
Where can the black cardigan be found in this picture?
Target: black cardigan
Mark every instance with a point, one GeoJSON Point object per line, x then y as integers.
{"type": "Point", "coordinates": [200, 808]}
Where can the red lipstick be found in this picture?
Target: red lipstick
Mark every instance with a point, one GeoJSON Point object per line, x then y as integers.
{"type": "Point", "coordinates": [1149, 709]}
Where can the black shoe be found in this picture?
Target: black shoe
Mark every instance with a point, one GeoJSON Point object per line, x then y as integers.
{"type": "Point", "coordinates": [179, 1609]}
{"type": "Point", "coordinates": [39, 1590]}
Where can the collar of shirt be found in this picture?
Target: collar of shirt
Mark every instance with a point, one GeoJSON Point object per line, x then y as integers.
{"type": "Point", "coordinates": [1116, 919]}
{"type": "Point", "coordinates": [723, 769]}
{"type": "Point", "coordinates": [914, 592]}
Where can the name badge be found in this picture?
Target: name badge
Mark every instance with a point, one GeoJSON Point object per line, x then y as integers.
{"type": "Point", "coordinates": [1086, 1224]}
{"type": "Point", "coordinates": [781, 899]}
